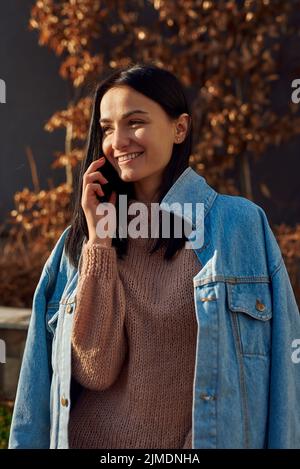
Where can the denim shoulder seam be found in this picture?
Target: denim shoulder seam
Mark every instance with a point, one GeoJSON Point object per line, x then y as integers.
{"type": "Point", "coordinates": [213, 198]}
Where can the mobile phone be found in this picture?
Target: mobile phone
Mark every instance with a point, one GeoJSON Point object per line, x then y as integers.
{"type": "Point", "coordinates": [108, 187]}
{"type": "Point", "coordinates": [114, 183]}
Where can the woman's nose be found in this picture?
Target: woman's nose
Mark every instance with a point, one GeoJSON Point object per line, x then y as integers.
{"type": "Point", "coordinates": [120, 139]}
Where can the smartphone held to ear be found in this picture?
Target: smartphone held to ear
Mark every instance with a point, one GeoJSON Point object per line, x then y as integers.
{"type": "Point", "coordinates": [107, 189]}
{"type": "Point", "coordinates": [114, 183]}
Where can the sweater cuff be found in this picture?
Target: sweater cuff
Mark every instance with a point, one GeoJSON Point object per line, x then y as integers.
{"type": "Point", "coordinates": [98, 261]}
{"type": "Point", "coordinates": [188, 443]}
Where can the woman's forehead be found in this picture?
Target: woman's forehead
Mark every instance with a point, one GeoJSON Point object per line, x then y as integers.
{"type": "Point", "coordinates": [118, 101]}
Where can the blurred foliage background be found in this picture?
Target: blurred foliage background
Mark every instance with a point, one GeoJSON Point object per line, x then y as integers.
{"type": "Point", "coordinates": [227, 55]}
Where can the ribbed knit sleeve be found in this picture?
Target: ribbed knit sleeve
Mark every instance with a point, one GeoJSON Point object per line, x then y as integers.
{"type": "Point", "coordinates": [99, 342]}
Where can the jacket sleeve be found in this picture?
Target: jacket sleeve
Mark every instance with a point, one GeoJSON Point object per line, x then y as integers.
{"type": "Point", "coordinates": [30, 426]}
{"type": "Point", "coordinates": [284, 410]}
{"type": "Point", "coordinates": [284, 390]}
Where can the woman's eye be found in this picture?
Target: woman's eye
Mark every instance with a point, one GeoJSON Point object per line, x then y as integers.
{"type": "Point", "coordinates": [104, 129]}
{"type": "Point", "coordinates": [135, 122]}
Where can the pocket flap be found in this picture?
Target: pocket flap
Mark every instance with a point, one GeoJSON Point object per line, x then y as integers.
{"type": "Point", "coordinates": [51, 317]}
{"type": "Point", "coordinates": [254, 299]}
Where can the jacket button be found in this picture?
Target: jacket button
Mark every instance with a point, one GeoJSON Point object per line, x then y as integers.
{"type": "Point", "coordinates": [64, 402]}
{"type": "Point", "coordinates": [69, 309]}
{"type": "Point", "coordinates": [260, 306]}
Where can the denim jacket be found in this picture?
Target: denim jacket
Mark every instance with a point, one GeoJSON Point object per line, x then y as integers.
{"type": "Point", "coordinates": [246, 385]}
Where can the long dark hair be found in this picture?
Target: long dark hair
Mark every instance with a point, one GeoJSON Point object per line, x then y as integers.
{"type": "Point", "coordinates": [165, 89]}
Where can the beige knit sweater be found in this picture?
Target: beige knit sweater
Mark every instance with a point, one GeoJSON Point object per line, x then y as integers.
{"type": "Point", "coordinates": [133, 348]}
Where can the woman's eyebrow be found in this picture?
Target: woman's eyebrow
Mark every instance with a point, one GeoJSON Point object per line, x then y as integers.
{"type": "Point", "coordinates": [135, 111]}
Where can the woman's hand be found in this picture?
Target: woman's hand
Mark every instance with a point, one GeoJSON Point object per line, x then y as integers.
{"type": "Point", "coordinates": [89, 202]}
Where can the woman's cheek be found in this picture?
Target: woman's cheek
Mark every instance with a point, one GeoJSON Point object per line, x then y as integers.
{"type": "Point", "coordinates": [105, 147]}
{"type": "Point", "coordinates": [141, 134]}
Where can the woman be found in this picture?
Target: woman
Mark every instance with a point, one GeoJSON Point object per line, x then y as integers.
{"type": "Point", "coordinates": [166, 342]}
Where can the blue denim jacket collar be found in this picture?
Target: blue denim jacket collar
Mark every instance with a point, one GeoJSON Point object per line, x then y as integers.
{"type": "Point", "coordinates": [191, 188]}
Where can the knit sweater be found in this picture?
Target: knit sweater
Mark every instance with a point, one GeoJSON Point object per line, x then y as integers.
{"type": "Point", "coordinates": [133, 348]}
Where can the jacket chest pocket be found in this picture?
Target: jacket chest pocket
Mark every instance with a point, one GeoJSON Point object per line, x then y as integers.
{"type": "Point", "coordinates": [250, 307]}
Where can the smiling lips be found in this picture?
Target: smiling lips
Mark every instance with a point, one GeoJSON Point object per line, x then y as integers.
{"type": "Point", "coordinates": [131, 156]}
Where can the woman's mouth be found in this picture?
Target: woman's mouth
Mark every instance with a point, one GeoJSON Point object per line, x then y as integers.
{"type": "Point", "coordinates": [129, 159]}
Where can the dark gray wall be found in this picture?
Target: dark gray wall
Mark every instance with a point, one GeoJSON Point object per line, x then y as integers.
{"type": "Point", "coordinates": [34, 92]}
{"type": "Point", "coordinates": [279, 168]}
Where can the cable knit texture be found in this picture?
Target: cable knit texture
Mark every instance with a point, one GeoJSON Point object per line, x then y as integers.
{"type": "Point", "coordinates": [133, 348]}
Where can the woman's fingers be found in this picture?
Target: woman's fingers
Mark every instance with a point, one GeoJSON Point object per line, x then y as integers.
{"type": "Point", "coordinates": [96, 176]}
{"type": "Point", "coordinates": [92, 181]}
{"type": "Point", "coordinates": [96, 164]}
{"type": "Point", "coordinates": [92, 187]}
{"type": "Point", "coordinates": [92, 175]}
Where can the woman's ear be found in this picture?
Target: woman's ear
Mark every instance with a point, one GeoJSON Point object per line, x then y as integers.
{"type": "Point", "coordinates": [182, 127]}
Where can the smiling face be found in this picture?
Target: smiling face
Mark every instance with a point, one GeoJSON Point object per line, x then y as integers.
{"type": "Point", "coordinates": [148, 130]}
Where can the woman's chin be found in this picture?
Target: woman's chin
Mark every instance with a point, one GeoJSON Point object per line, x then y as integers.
{"type": "Point", "coordinates": [129, 175]}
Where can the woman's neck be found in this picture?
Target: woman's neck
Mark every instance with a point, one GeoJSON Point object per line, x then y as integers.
{"type": "Point", "coordinates": [147, 193]}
